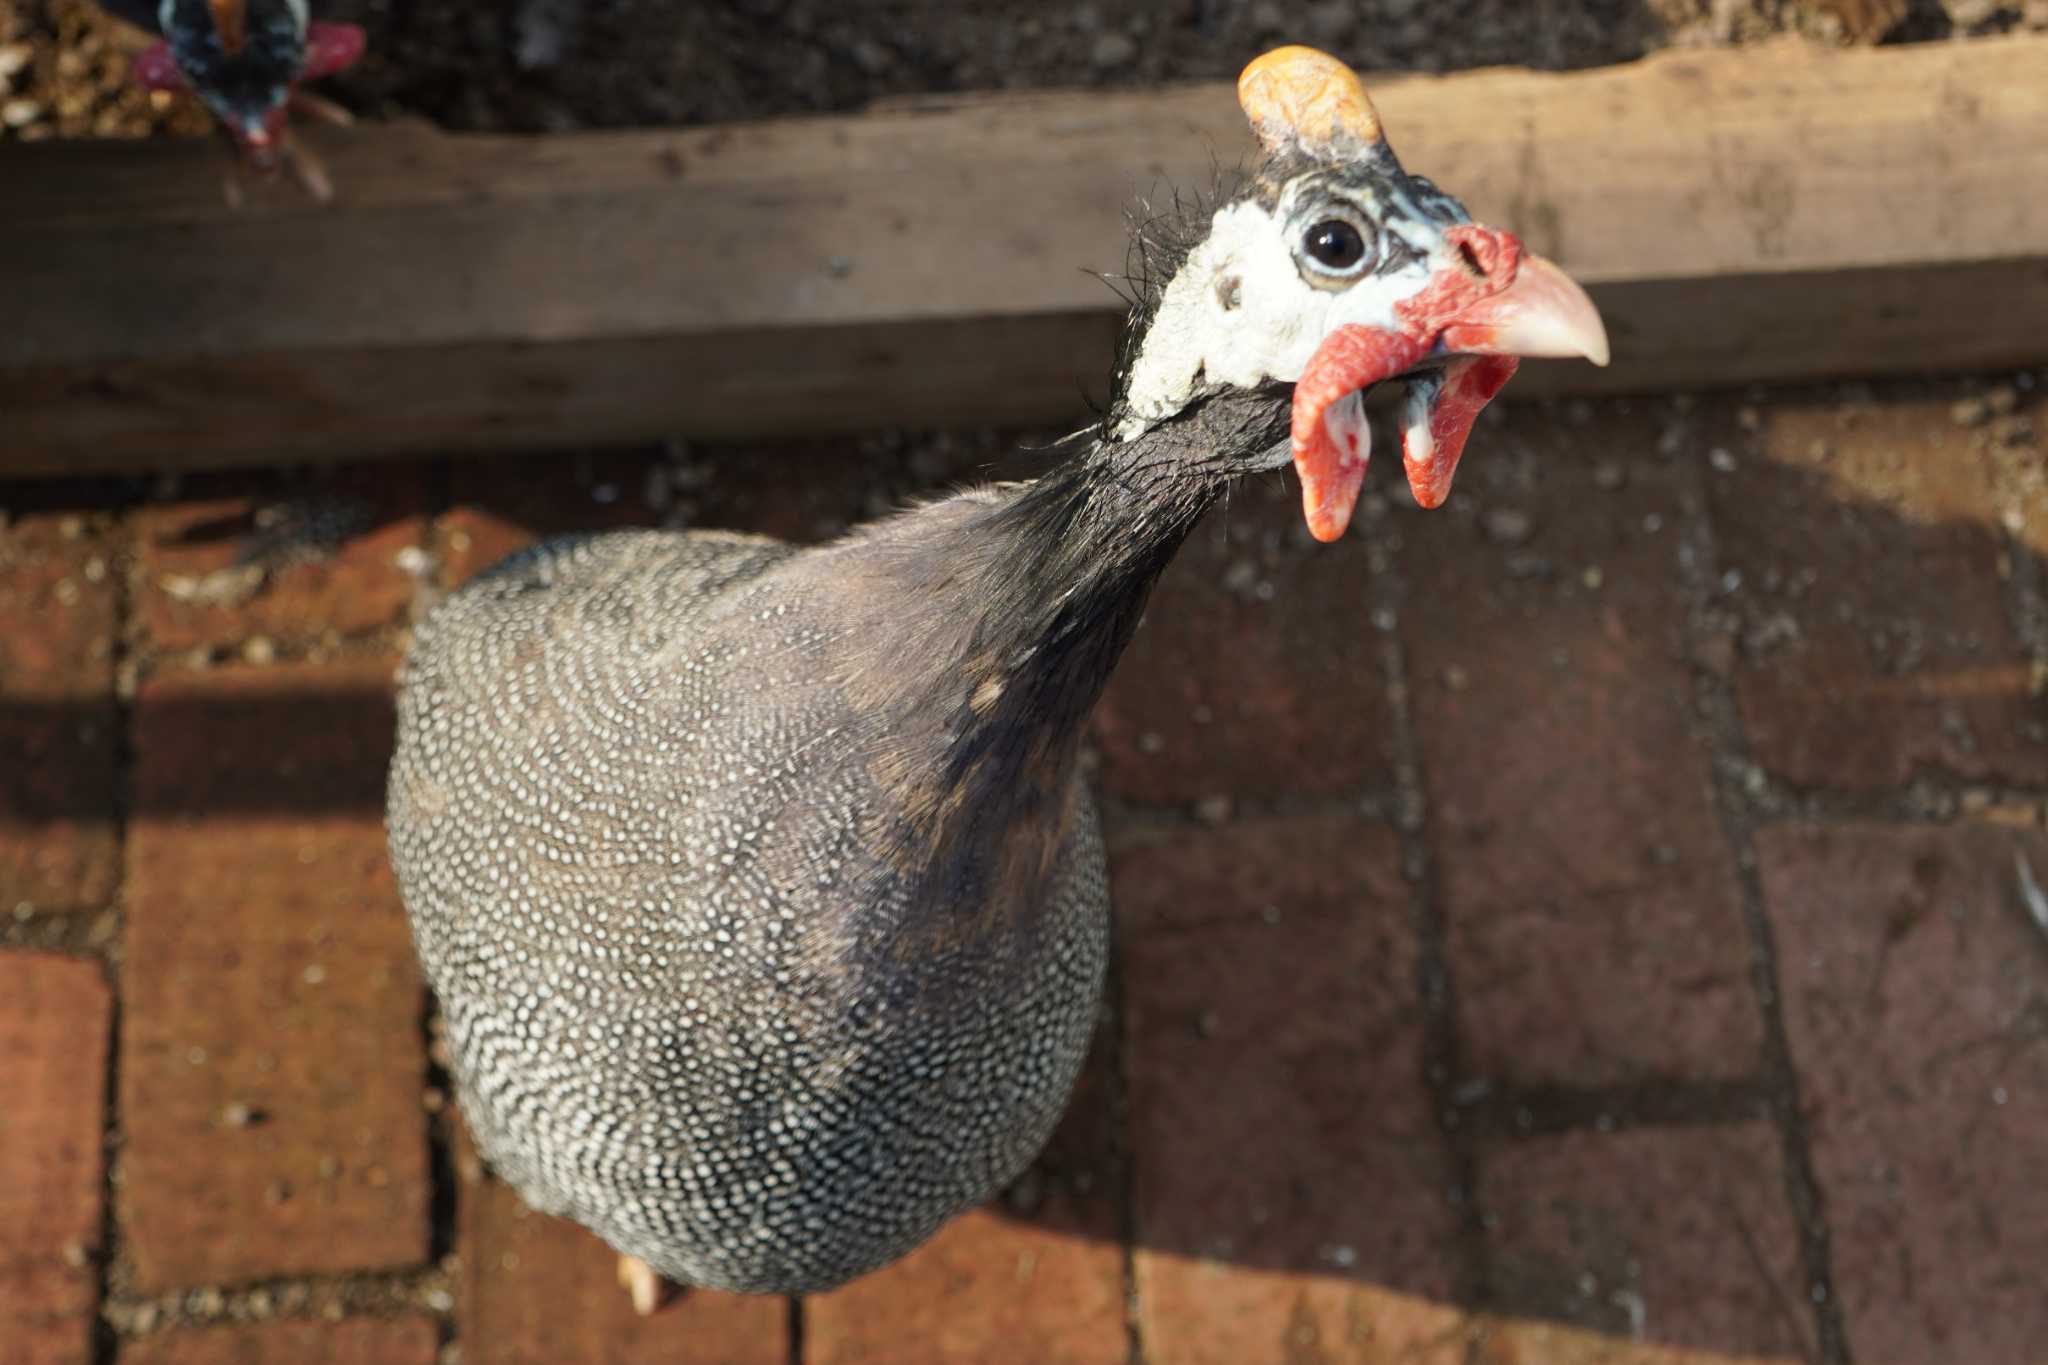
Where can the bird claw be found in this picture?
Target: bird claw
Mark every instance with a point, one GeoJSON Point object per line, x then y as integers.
{"type": "Point", "coordinates": [644, 1285]}
{"type": "Point", "coordinates": [309, 170]}
{"type": "Point", "coordinates": [321, 108]}
{"type": "Point", "coordinates": [2031, 894]}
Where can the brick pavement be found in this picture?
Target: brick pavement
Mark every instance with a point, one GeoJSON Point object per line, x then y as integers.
{"type": "Point", "coordinates": [1580, 925]}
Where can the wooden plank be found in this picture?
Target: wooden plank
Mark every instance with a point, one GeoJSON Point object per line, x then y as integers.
{"type": "Point", "coordinates": [1771, 213]}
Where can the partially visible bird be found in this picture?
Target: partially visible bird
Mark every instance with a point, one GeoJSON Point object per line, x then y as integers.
{"type": "Point", "coordinates": [760, 886]}
{"type": "Point", "coordinates": [247, 60]}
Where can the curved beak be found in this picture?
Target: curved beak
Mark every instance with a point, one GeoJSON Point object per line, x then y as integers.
{"type": "Point", "coordinates": [261, 140]}
{"type": "Point", "coordinates": [1543, 313]}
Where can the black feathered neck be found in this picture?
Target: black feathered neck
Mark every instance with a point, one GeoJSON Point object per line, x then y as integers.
{"type": "Point", "coordinates": [991, 621]}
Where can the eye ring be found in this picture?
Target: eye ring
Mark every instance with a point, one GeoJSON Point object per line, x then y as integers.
{"type": "Point", "coordinates": [1336, 247]}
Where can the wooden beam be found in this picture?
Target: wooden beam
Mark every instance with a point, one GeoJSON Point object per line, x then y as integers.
{"type": "Point", "coordinates": [1764, 214]}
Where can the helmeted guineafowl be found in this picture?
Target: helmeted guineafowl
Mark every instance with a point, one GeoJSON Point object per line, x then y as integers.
{"type": "Point", "coordinates": [246, 59]}
{"type": "Point", "coordinates": [762, 897]}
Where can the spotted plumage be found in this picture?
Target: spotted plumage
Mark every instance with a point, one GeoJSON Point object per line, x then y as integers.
{"type": "Point", "coordinates": [760, 887]}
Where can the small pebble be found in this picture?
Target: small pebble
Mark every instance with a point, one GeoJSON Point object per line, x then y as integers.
{"type": "Point", "coordinates": [20, 113]}
{"type": "Point", "coordinates": [1722, 459]}
{"type": "Point", "coordinates": [1610, 475]}
{"type": "Point", "coordinates": [871, 57]}
{"type": "Point", "coordinates": [1214, 810]}
{"type": "Point", "coordinates": [1508, 525]}
{"type": "Point", "coordinates": [1112, 49]}
{"type": "Point", "coordinates": [1969, 412]}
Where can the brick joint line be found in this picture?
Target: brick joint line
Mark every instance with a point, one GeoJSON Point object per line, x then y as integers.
{"type": "Point", "coordinates": [1442, 1048]}
{"type": "Point", "coordinates": [1733, 805]}
{"type": "Point", "coordinates": [109, 1268]}
{"type": "Point", "coordinates": [1123, 1149]}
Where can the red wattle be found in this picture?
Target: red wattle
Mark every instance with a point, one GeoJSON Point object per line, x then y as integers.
{"type": "Point", "coordinates": [1349, 359]}
{"type": "Point", "coordinates": [1470, 384]}
{"type": "Point", "coordinates": [331, 48]}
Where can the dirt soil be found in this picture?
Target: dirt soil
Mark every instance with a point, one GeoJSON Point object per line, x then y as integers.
{"type": "Point", "coordinates": [550, 65]}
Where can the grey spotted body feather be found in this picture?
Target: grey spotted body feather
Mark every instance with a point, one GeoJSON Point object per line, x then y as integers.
{"type": "Point", "coordinates": [705, 995]}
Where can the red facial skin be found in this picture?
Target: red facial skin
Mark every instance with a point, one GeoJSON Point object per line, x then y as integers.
{"type": "Point", "coordinates": [1352, 358]}
{"type": "Point", "coordinates": [156, 69]}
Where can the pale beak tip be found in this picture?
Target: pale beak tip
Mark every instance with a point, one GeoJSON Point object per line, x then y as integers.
{"type": "Point", "coordinates": [1596, 349]}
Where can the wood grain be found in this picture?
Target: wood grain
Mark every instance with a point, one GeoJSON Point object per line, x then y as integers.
{"type": "Point", "coordinates": [1766, 214]}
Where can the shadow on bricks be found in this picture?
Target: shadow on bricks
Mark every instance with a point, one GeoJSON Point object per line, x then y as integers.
{"type": "Point", "coordinates": [1435, 1007]}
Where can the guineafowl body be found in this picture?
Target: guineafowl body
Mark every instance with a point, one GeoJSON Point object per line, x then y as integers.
{"type": "Point", "coordinates": [708, 1003]}
{"type": "Point", "coordinates": [762, 894]}
{"type": "Point", "coordinates": [760, 887]}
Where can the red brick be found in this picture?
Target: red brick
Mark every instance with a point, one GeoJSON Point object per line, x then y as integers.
{"type": "Point", "coordinates": [1594, 922]}
{"type": "Point", "coordinates": [1917, 1004]}
{"type": "Point", "coordinates": [539, 1291]}
{"type": "Point", "coordinates": [54, 1019]}
{"type": "Point", "coordinates": [1543, 1343]}
{"type": "Point", "coordinates": [1875, 639]}
{"type": "Point", "coordinates": [58, 592]}
{"type": "Point", "coordinates": [267, 972]}
{"type": "Point", "coordinates": [363, 1341]}
{"type": "Point", "coordinates": [1680, 1236]}
{"type": "Point", "coordinates": [193, 547]}
{"type": "Point", "coordinates": [1035, 1276]}
{"type": "Point", "coordinates": [1291, 1191]}
{"type": "Point", "coordinates": [1256, 671]}
{"type": "Point", "coordinates": [988, 1288]}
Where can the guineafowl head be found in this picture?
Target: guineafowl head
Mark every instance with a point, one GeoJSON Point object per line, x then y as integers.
{"type": "Point", "coordinates": [1333, 269]}
{"type": "Point", "coordinates": [244, 58]}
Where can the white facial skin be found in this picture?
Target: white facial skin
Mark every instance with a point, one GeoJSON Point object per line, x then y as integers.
{"type": "Point", "coordinates": [1208, 334]}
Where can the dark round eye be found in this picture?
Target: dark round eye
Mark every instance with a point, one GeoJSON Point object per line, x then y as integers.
{"type": "Point", "coordinates": [1335, 245]}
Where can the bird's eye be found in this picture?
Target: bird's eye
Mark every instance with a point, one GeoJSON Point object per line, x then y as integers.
{"type": "Point", "coordinates": [1335, 245]}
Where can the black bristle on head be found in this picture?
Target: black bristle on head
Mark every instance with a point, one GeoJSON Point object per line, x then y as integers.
{"type": "Point", "coordinates": [1163, 234]}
